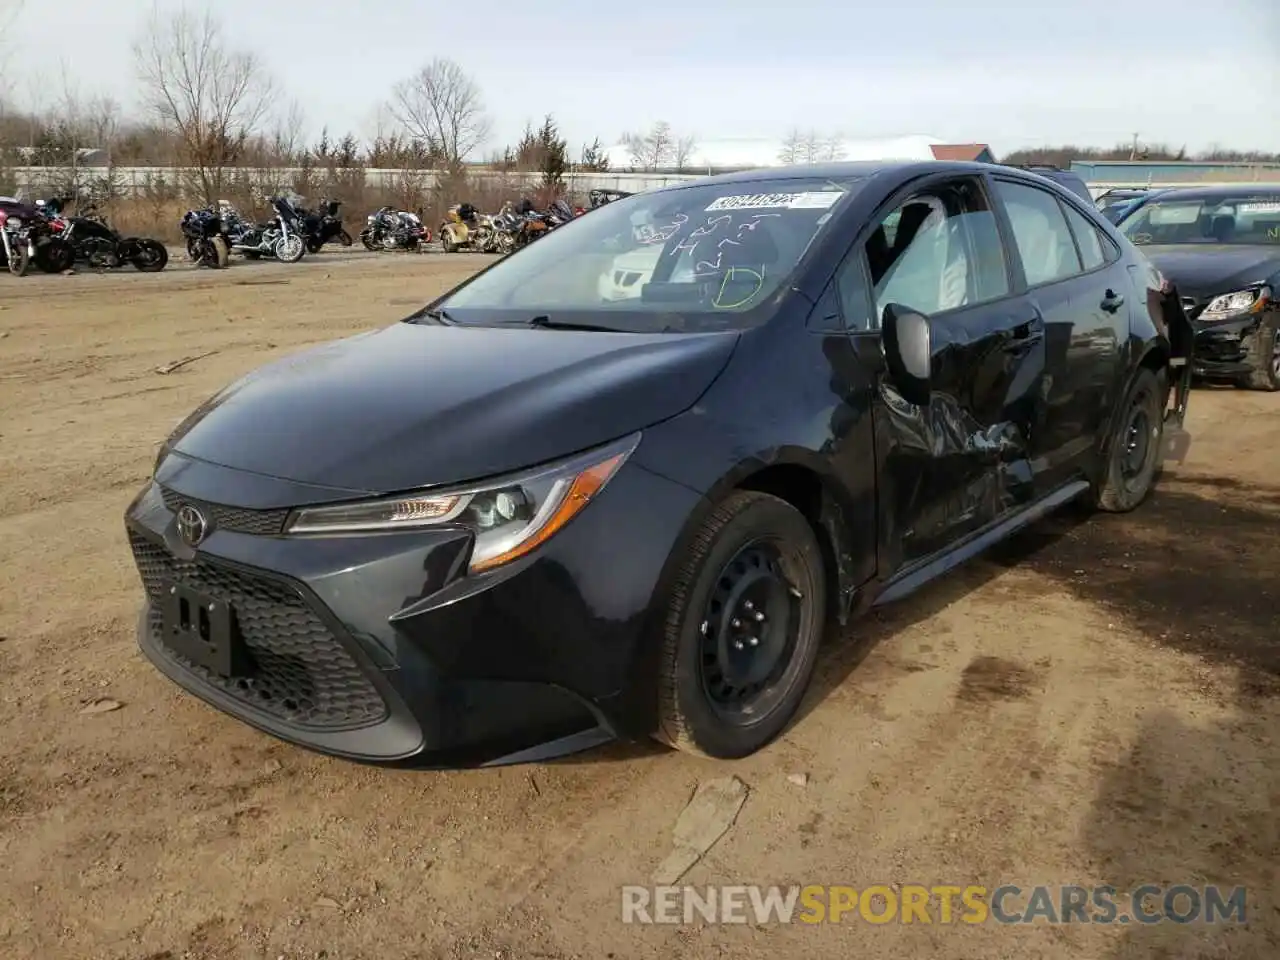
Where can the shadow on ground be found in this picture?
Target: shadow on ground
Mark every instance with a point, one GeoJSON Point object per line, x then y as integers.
{"type": "Point", "coordinates": [1193, 805]}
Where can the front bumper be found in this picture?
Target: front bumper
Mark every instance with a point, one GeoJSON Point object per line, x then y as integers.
{"type": "Point", "coordinates": [376, 649]}
{"type": "Point", "coordinates": [1228, 349]}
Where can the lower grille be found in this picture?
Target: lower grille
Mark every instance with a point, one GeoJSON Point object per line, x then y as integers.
{"type": "Point", "coordinates": [263, 523]}
{"type": "Point", "coordinates": [301, 673]}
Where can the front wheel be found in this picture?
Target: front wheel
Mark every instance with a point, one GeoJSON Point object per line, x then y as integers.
{"type": "Point", "coordinates": [1135, 454]}
{"type": "Point", "coordinates": [221, 253]}
{"type": "Point", "coordinates": [744, 621]}
{"type": "Point", "coordinates": [19, 260]}
{"type": "Point", "coordinates": [344, 238]}
{"type": "Point", "coordinates": [151, 256]}
{"type": "Point", "coordinates": [314, 244]}
{"type": "Point", "coordinates": [290, 249]}
{"type": "Point", "coordinates": [367, 240]}
{"type": "Point", "coordinates": [1266, 371]}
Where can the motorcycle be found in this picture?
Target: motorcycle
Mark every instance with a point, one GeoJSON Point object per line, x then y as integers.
{"type": "Point", "coordinates": [389, 229]}
{"type": "Point", "coordinates": [29, 240]}
{"type": "Point", "coordinates": [95, 243]}
{"type": "Point", "coordinates": [206, 245]}
{"type": "Point", "coordinates": [280, 237]}
{"type": "Point", "coordinates": [324, 225]}
{"type": "Point", "coordinates": [466, 228]}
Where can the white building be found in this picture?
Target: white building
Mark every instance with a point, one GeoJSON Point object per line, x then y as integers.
{"type": "Point", "coordinates": [749, 152]}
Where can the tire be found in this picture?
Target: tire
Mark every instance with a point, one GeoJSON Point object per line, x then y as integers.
{"type": "Point", "coordinates": [1135, 451]}
{"type": "Point", "coordinates": [314, 245]}
{"type": "Point", "coordinates": [1266, 375]}
{"type": "Point", "coordinates": [20, 261]}
{"type": "Point", "coordinates": [368, 243]}
{"type": "Point", "coordinates": [151, 257]}
{"type": "Point", "coordinates": [759, 544]}
{"type": "Point", "coordinates": [290, 249]}
{"type": "Point", "coordinates": [221, 253]}
{"type": "Point", "coordinates": [344, 238]}
{"type": "Point", "coordinates": [55, 256]}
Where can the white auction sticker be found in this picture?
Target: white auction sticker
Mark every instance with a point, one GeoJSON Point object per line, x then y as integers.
{"type": "Point", "coordinates": [817, 200]}
{"type": "Point", "coordinates": [1258, 206]}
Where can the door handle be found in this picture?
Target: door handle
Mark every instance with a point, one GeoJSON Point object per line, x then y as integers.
{"type": "Point", "coordinates": [1112, 301]}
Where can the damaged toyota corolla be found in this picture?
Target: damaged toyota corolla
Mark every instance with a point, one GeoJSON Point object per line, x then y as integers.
{"type": "Point", "coordinates": [548, 510]}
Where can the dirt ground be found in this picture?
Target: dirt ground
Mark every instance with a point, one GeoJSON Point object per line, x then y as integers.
{"type": "Point", "coordinates": [1095, 702]}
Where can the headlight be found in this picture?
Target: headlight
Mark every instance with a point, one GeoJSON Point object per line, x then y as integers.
{"type": "Point", "coordinates": [1242, 301]}
{"type": "Point", "coordinates": [510, 516]}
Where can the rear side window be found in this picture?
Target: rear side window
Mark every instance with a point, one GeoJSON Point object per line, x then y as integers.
{"type": "Point", "coordinates": [1092, 253]}
{"type": "Point", "coordinates": [1040, 232]}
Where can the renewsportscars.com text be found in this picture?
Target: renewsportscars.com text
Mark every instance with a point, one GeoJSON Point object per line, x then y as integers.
{"type": "Point", "coordinates": [938, 904]}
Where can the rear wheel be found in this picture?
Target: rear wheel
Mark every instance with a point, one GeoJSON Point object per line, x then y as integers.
{"type": "Point", "coordinates": [344, 238]}
{"type": "Point", "coordinates": [1266, 372]}
{"type": "Point", "coordinates": [55, 256]}
{"type": "Point", "coordinates": [151, 256]}
{"type": "Point", "coordinates": [743, 625]}
{"type": "Point", "coordinates": [367, 240]}
{"type": "Point", "coordinates": [1133, 460]}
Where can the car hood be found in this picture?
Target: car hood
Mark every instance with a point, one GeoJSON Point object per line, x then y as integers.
{"type": "Point", "coordinates": [420, 405]}
{"type": "Point", "coordinates": [1205, 271]}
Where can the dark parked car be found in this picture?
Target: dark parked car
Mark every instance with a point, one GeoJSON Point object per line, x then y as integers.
{"type": "Point", "coordinates": [529, 518]}
{"type": "Point", "coordinates": [1064, 178]}
{"type": "Point", "coordinates": [1221, 247]}
{"type": "Point", "coordinates": [1115, 204]}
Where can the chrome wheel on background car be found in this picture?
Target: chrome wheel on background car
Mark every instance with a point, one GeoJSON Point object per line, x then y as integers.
{"type": "Point", "coordinates": [1266, 375]}
{"type": "Point", "coordinates": [744, 621]}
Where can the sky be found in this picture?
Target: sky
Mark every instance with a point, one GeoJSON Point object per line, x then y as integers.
{"type": "Point", "coordinates": [1006, 73]}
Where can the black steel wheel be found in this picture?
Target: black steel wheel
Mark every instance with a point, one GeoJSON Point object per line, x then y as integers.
{"type": "Point", "coordinates": [1136, 446]}
{"type": "Point", "coordinates": [744, 622]}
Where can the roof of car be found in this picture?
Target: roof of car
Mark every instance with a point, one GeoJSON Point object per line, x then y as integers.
{"type": "Point", "coordinates": [1220, 191]}
{"type": "Point", "coordinates": [846, 170]}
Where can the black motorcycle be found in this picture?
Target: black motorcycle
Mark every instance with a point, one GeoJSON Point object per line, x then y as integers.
{"type": "Point", "coordinates": [391, 229]}
{"type": "Point", "coordinates": [323, 226]}
{"type": "Point", "coordinates": [30, 240]}
{"type": "Point", "coordinates": [206, 245]}
{"type": "Point", "coordinates": [102, 248]}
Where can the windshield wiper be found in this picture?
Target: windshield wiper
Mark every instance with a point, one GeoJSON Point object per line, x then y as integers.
{"type": "Point", "coordinates": [439, 315]}
{"type": "Point", "coordinates": [546, 323]}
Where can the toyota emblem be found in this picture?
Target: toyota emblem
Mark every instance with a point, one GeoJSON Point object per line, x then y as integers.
{"type": "Point", "coordinates": [192, 526]}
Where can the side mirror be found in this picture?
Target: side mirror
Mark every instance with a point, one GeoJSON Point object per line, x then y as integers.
{"type": "Point", "coordinates": [908, 351]}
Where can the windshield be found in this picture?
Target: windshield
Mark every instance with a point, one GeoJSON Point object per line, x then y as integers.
{"type": "Point", "coordinates": [696, 258]}
{"type": "Point", "coordinates": [1241, 220]}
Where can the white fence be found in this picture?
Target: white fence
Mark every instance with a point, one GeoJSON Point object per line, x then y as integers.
{"type": "Point", "coordinates": [141, 180]}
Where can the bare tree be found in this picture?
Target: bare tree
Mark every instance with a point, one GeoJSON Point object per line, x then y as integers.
{"type": "Point", "coordinates": [441, 107]}
{"type": "Point", "coordinates": [658, 149]}
{"type": "Point", "coordinates": [682, 151]}
{"type": "Point", "coordinates": [810, 147]}
{"type": "Point", "coordinates": [792, 148]}
{"type": "Point", "coordinates": [211, 96]}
